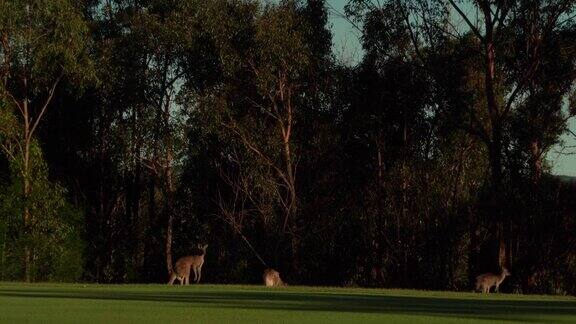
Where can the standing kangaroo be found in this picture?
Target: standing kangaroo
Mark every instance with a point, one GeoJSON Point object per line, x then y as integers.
{"type": "Point", "coordinates": [272, 278]}
{"type": "Point", "coordinates": [184, 264]}
{"type": "Point", "coordinates": [485, 281]}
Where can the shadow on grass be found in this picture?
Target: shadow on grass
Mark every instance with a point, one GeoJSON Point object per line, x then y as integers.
{"type": "Point", "coordinates": [277, 299]}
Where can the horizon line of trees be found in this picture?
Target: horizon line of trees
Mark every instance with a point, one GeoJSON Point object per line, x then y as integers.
{"type": "Point", "coordinates": [132, 130]}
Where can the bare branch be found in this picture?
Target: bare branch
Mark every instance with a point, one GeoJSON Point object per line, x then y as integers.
{"type": "Point", "coordinates": [8, 151]}
{"type": "Point", "coordinates": [467, 20]}
{"type": "Point", "coordinates": [254, 149]}
{"type": "Point", "coordinates": [6, 92]}
{"type": "Point", "coordinates": [44, 107]}
{"type": "Point", "coordinates": [345, 17]}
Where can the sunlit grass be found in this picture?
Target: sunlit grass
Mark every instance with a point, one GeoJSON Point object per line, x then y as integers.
{"type": "Point", "coordinates": [81, 303]}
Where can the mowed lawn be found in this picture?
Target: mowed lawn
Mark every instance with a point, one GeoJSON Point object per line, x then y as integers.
{"type": "Point", "coordinates": [77, 303]}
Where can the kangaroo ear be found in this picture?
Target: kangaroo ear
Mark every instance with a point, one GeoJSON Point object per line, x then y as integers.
{"type": "Point", "coordinates": [205, 246]}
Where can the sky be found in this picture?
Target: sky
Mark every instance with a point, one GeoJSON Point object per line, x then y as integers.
{"type": "Point", "coordinates": [346, 46]}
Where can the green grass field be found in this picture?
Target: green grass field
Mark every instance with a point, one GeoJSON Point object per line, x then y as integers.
{"type": "Point", "coordinates": [77, 303]}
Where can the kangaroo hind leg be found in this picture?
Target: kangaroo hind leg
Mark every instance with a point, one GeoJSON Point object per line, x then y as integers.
{"type": "Point", "coordinates": [172, 278]}
{"type": "Point", "coordinates": [195, 274]}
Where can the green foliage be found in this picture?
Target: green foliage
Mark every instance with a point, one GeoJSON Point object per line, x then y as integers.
{"type": "Point", "coordinates": [44, 40]}
{"type": "Point", "coordinates": [280, 46]}
{"type": "Point", "coordinates": [42, 43]}
{"type": "Point", "coordinates": [390, 159]}
{"type": "Point", "coordinates": [9, 125]}
{"type": "Point", "coordinates": [54, 232]}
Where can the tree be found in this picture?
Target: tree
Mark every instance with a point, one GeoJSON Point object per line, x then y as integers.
{"type": "Point", "coordinates": [278, 61]}
{"type": "Point", "coordinates": [540, 117]}
{"type": "Point", "coordinates": [41, 44]}
{"type": "Point", "coordinates": [505, 88]}
{"type": "Point", "coordinates": [495, 27]}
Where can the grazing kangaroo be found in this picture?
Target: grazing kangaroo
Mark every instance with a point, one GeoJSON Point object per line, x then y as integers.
{"type": "Point", "coordinates": [485, 281]}
{"type": "Point", "coordinates": [184, 264]}
{"type": "Point", "coordinates": [272, 278]}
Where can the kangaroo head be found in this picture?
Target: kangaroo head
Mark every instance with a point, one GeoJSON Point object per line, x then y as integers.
{"type": "Point", "coordinates": [203, 247]}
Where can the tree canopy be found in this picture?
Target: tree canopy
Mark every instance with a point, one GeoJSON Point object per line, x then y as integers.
{"type": "Point", "coordinates": [132, 131]}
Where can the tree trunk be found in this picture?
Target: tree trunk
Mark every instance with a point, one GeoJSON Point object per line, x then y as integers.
{"type": "Point", "coordinates": [137, 186]}
{"type": "Point", "coordinates": [473, 255]}
{"type": "Point", "coordinates": [286, 138]}
{"type": "Point", "coordinates": [291, 179]}
{"type": "Point", "coordinates": [27, 191]}
{"type": "Point", "coordinates": [495, 152]}
{"type": "Point", "coordinates": [500, 220]}
{"type": "Point", "coordinates": [495, 147]}
{"type": "Point", "coordinates": [536, 160]}
{"type": "Point", "coordinates": [153, 218]}
{"type": "Point", "coordinates": [169, 211]}
{"type": "Point", "coordinates": [169, 181]}
{"type": "Point", "coordinates": [140, 224]}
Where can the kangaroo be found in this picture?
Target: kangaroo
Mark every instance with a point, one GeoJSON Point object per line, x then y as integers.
{"type": "Point", "coordinates": [485, 281]}
{"type": "Point", "coordinates": [184, 264]}
{"type": "Point", "coordinates": [272, 278]}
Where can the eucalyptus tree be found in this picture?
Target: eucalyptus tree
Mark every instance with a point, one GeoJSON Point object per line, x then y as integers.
{"type": "Point", "coordinates": [277, 62]}
{"type": "Point", "coordinates": [511, 42]}
{"type": "Point", "coordinates": [148, 50]}
{"type": "Point", "coordinates": [42, 44]}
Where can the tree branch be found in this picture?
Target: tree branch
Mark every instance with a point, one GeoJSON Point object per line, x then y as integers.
{"type": "Point", "coordinates": [44, 107]}
{"type": "Point", "coordinates": [468, 22]}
